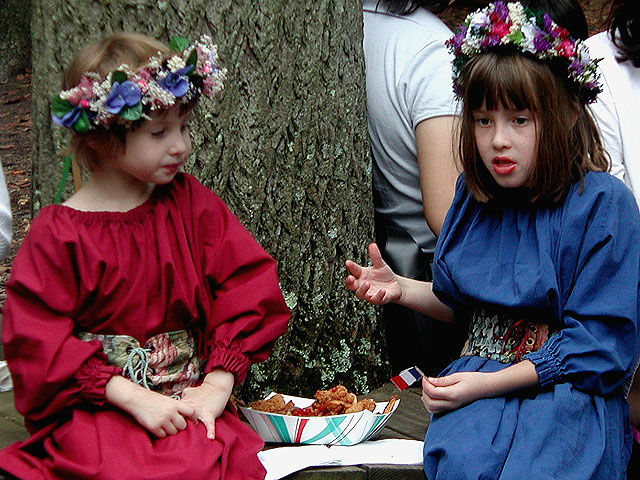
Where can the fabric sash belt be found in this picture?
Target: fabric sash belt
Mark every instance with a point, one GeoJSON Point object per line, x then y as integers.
{"type": "Point", "coordinates": [167, 363]}
{"type": "Point", "coordinates": [497, 336]}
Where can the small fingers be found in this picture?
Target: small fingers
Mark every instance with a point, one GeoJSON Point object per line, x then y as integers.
{"type": "Point", "coordinates": [210, 425]}
{"type": "Point", "coordinates": [354, 268]}
{"type": "Point", "coordinates": [376, 297]}
{"type": "Point", "coordinates": [179, 422]}
{"type": "Point", "coordinates": [376, 256]}
{"type": "Point", "coordinates": [170, 428]}
{"type": "Point", "coordinates": [361, 290]}
{"type": "Point", "coordinates": [186, 409]}
{"type": "Point", "coordinates": [435, 392]}
{"type": "Point", "coordinates": [434, 405]}
{"type": "Point", "coordinates": [350, 282]}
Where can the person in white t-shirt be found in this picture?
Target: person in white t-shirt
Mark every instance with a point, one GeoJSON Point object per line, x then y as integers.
{"type": "Point", "coordinates": [616, 113]}
{"type": "Point", "coordinates": [411, 112]}
{"type": "Point", "coordinates": [618, 105]}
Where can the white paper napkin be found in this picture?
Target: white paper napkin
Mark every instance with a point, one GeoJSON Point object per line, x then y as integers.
{"type": "Point", "coordinates": [281, 461]}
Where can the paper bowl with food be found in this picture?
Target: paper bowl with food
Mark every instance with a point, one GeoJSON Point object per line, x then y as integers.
{"type": "Point", "coordinates": [333, 417]}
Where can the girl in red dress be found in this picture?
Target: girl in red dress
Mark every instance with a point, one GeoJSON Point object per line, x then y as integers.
{"type": "Point", "coordinates": [135, 306]}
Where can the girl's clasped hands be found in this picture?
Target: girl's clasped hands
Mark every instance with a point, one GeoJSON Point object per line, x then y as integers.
{"type": "Point", "coordinates": [163, 415]}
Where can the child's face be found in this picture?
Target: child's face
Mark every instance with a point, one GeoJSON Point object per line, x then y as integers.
{"type": "Point", "coordinates": [156, 150]}
{"type": "Point", "coordinates": [507, 142]}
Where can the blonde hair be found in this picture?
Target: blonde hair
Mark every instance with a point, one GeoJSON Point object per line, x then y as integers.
{"type": "Point", "coordinates": [103, 57]}
{"type": "Point", "coordinates": [568, 140]}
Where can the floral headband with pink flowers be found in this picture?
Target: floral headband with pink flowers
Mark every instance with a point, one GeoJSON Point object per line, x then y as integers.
{"type": "Point", "coordinates": [528, 31]}
{"type": "Point", "coordinates": [126, 96]}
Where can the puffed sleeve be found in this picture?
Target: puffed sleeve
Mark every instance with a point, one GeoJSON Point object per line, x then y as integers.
{"type": "Point", "coordinates": [50, 367]}
{"type": "Point", "coordinates": [597, 348]}
{"type": "Point", "coordinates": [425, 83]}
{"type": "Point", "coordinates": [248, 312]}
{"type": "Point", "coordinates": [443, 285]}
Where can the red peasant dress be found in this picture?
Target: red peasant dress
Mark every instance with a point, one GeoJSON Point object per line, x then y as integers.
{"type": "Point", "coordinates": [179, 261]}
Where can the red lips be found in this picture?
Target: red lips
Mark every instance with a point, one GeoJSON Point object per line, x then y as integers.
{"type": "Point", "coordinates": [503, 165]}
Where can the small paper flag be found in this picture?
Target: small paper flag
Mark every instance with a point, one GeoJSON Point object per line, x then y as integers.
{"type": "Point", "coordinates": [407, 377]}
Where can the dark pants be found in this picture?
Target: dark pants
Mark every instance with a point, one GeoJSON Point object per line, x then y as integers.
{"type": "Point", "coordinates": [414, 339]}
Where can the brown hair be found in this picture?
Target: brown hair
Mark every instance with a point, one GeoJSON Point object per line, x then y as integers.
{"type": "Point", "coordinates": [568, 141]}
{"type": "Point", "coordinates": [103, 57]}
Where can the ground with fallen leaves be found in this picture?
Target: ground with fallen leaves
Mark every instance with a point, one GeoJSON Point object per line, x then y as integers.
{"type": "Point", "coordinates": [15, 154]}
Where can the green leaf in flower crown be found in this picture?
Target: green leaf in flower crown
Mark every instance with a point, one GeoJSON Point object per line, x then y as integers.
{"type": "Point", "coordinates": [178, 44]}
{"type": "Point", "coordinates": [118, 76]}
{"type": "Point", "coordinates": [59, 106]}
{"type": "Point", "coordinates": [131, 113]}
{"type": "Point", "coordinates": [82, 124]}
{"type": "Point", "coordinates": [192, 60]}
{"type": "Point", "coordinates": [516, 37]}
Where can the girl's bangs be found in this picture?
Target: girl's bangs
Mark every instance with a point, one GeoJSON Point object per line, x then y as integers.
{"type": "Point", "coordinates": [501, 81]}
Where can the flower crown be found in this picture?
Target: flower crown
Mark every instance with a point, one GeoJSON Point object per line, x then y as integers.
{"type": "Point", "coordinates": [528, 31]}
{"type": "Point", "coordinates": [125, 96]}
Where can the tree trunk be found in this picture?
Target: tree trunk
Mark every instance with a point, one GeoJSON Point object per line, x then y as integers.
{"type": "Point", "coordinates": [285, 146]}
{"type": "Point", "coordinates": [15, 41]}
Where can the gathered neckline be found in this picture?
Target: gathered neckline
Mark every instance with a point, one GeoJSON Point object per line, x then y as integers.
{"type": "Point", "coordinates": [132, 214]}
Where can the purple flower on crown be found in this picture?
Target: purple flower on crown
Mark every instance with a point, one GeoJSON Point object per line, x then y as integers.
{"type": "Point", "coordinates": [176, 82]}
{"type": "Point", "coordinates": [576, 67]}
{"type": "Point", "coordinates": [501, 10]}
{"type": "Point", "coordinates": [458, 38]}
{"type": "Point", "coordinates": [593, 85]}
{"type": "Point", "coordinates": [540, 42]}
{"type": "Point", "coordinates": [69, 118]}
{"type": "Point", "coordinates": [548, 23]}
{"type": "Point", "coordinates": [490, 41]}
{"type": "Point", "coordinates": [122, 94]}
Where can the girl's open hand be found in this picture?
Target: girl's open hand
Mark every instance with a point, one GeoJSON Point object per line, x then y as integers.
{"type": "Point", "coordinates": [377, 284]}
{"type": "Point", "coordinates": [210, 398]}
{"type": "Point", "coordinates": [453, 391]}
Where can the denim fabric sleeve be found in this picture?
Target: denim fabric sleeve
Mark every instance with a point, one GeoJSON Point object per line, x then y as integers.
{"type": "Point", "coordinates": [598, 270]}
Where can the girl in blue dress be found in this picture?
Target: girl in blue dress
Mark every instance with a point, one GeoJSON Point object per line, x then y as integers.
{"type": "Point", "coordinates": [540, 255]}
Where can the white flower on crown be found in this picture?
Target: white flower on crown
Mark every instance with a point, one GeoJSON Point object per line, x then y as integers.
{"type": "Point", "coordinates": [479, 20]}
{"type": "Point", "coordinates": [529, 31]}
{"type": "Point", "coordinates": [175, 63]}
{"type": "Point", "coordinates": [470, 47]}
{"type": "Point", "coordinates": [516, 12]}
{"type": "Point", "coordinates": [155, 63]}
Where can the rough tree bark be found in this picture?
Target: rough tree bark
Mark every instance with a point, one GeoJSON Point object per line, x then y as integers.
{"type": "Point", "coordinates": [285, 146]}
{"type": "Point", "coordinates": [15, 38]}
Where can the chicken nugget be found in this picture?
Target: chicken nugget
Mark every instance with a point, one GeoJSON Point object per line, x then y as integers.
{"type": "Point", "coordinates": [364, 404]}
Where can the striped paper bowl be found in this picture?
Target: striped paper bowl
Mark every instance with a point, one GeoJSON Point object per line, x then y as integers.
{"type": "Point", "coordinates": [347, 429]}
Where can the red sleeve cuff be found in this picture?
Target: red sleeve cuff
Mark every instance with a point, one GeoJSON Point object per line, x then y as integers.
{"type": "Point", "coordinates": [229, 360]}
{"type": "Point", "coordinates": [93, 376]}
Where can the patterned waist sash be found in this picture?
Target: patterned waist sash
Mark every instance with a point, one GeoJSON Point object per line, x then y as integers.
{"type": "Point", "coordinates": [167, 363]}
{"type": "Point", "coordinates": [498, 336]}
